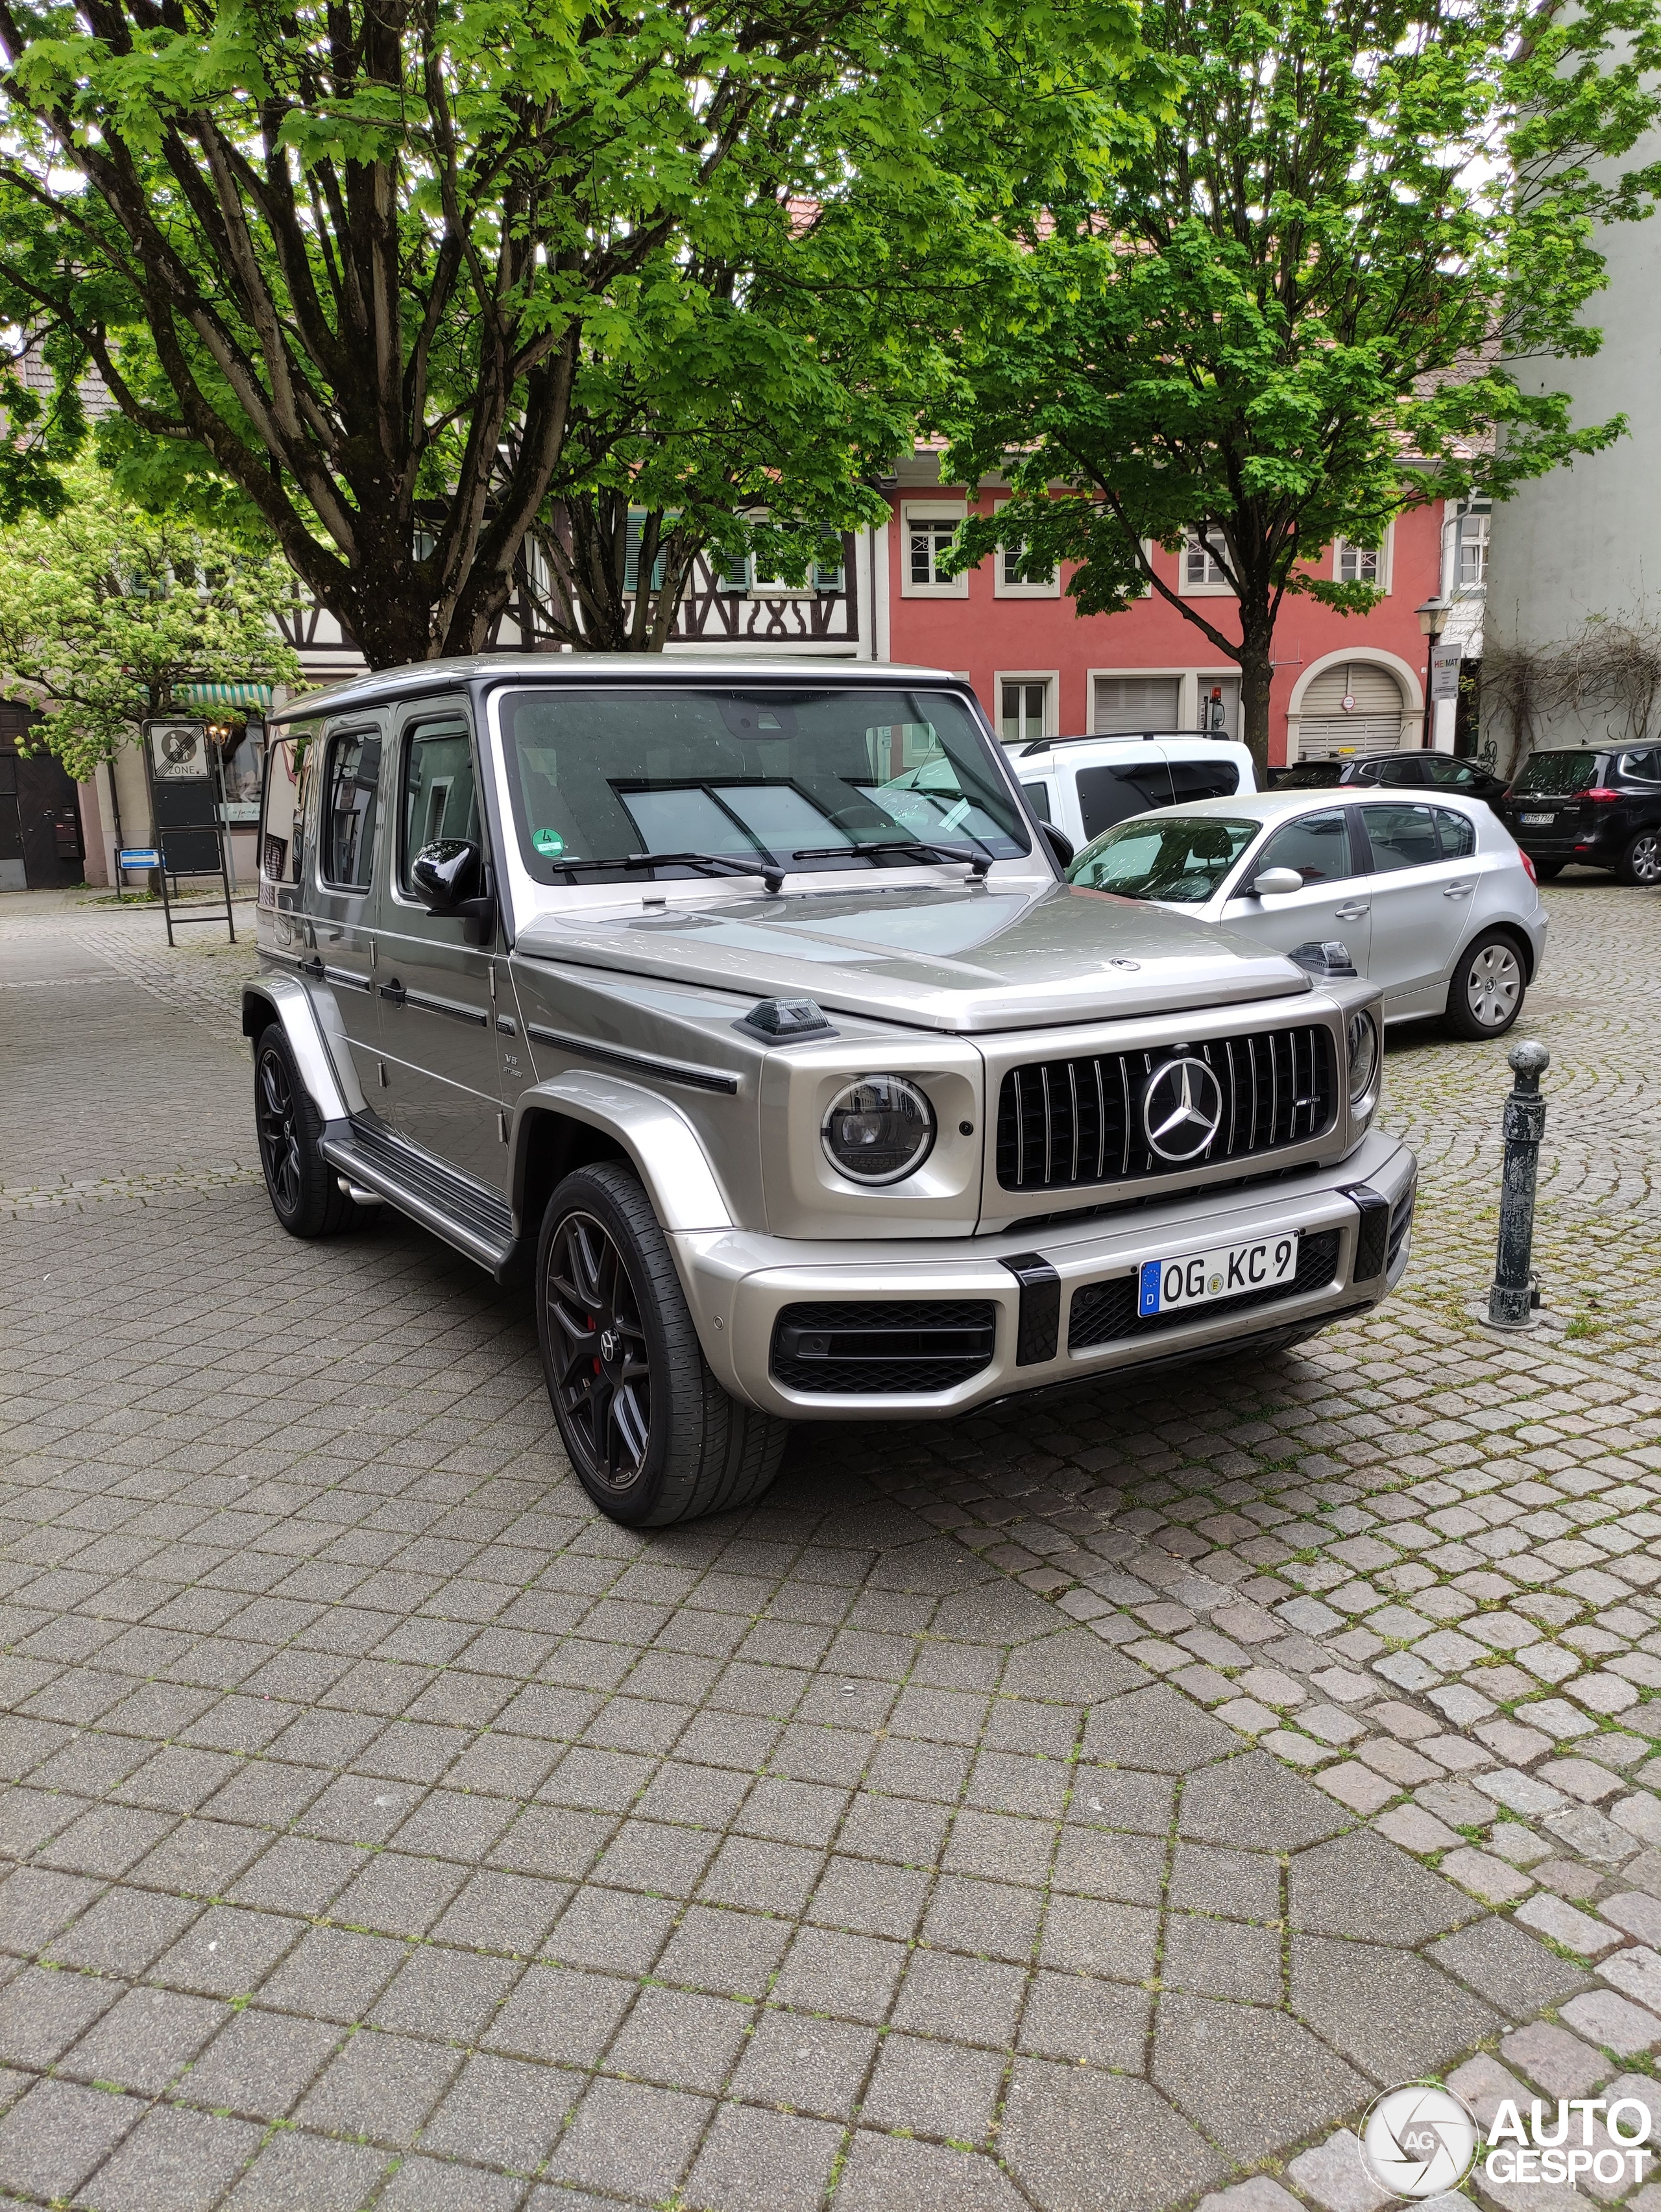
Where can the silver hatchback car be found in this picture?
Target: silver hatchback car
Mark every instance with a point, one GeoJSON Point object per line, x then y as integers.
{"type": "Point", "coordinates": [744, 1010]}
{"type": "Point", "coordinates": [1432, 899]}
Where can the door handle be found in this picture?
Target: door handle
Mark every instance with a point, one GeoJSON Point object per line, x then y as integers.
{"type": "Point", "coordinates": [394, 990]}
{"type": "Point", "coordinates": [1351, 912]}
{"type": "Point", "coordinates": [1457, 890]}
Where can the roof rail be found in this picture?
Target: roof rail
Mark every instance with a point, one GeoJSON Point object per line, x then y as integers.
{"type": "Point", "coordinates": [1109, 737]}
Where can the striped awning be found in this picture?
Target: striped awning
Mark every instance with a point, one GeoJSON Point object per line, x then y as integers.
{"type": "Point", "coordinates": [227, 695]}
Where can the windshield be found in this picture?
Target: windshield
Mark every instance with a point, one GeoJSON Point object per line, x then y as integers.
{"type": "Point", "coordinates": [1563, 773]}
{"type": "Point", "coordinates": [795, 777]}
{"type": "Point", "coordinates": [1180, 857]}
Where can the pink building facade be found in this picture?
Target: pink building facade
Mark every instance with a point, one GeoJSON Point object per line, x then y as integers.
{"type": "Point", "coordinates": [1343, 685]}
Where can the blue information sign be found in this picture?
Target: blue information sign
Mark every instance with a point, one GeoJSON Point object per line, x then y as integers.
{"type": "Point", "coordinates": [139, 856]}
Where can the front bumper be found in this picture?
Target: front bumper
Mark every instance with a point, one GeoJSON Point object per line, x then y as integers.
{"type": "Point", "coordinates": [739, 1284]}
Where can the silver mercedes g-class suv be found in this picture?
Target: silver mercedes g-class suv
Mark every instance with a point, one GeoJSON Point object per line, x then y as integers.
{"type": "Point", "coordinates": [745, 1008]}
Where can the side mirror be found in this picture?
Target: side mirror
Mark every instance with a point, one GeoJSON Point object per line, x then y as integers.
{"type": "Point", "coordinates": [1276, 882]}
{"type": "Point", "coordinates": [1060, 844]}
{"type": "Point", "coordinates": [445, 873]}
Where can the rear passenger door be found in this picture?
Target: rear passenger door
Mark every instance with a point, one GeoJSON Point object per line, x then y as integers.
{"type": "Point", "coordinates": [344, 900]}
{"type": "Point", "coordinates": [1421, 884]}
{"type": "Point", "coordinates": [436, 989]}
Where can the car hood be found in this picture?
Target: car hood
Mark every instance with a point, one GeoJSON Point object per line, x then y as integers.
{"type": "Point", "coordinates": [942, 958]}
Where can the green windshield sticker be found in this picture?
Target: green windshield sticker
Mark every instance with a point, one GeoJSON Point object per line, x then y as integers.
{"type": "Point", "coordinates": [548, 841]}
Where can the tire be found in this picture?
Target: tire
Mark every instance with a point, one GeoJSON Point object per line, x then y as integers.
{"type": "Point", "coordinates": [1487, 987]}
{"type": "Point", "coordinates": [651, 1434]}
{"type": "Point", "coordinates": [1641, 863]}
{"type": "Point", "coordinates": [304, 1189]}
{"type": "Point", "coordinates": [1547, 871]}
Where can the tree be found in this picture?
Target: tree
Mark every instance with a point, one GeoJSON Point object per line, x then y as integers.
{"type": "Point", "coordinates": [106, 611]}
{"type": "Point", "coordinates": [350, 256]}
{"type": "Point", "coordinates": [1287, 317]}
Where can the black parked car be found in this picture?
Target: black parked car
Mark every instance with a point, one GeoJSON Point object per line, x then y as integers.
{"type": "Point", "coordinates": [1601, 810]}
{"type": "Point", "coordinates": [1415, 769]}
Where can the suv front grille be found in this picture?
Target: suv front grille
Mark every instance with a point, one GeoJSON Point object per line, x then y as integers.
{"type": "Point", "coordinates": [1062, 1124]}
{"type": "Point", "coordinates": [890, 1347]}
{"type": "Point", "coordinates": [1103, 1312]}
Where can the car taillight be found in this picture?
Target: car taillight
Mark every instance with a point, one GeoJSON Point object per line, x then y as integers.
{"type": "Point", "coordinates": [1602, 791]}
{"type": "Point", "coordinates": [1527, 864]}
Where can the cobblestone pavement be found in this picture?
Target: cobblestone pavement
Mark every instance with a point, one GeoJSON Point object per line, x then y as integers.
{"type": "Point", "coordinates": [1077, 1808]}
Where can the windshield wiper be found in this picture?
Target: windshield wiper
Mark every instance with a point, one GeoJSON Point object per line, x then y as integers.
{"type": "Point", "coordinates": [711, 863]}
{"type": "Point", "coordinates": [981, 862]}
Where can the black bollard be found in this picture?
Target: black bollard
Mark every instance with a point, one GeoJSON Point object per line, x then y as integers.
{"type": "Point", "coordinates": [1510, 1301]}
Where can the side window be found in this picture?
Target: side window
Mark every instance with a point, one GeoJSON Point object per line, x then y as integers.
{"type": "Point", "coordinates": [352, 778]}
{"type": "Point", "coordinates": [1203, 780]}
{"type": "Point", "coordinates": [1107, 795]}
{"type": "Point", "coordinates": [1402, 837]}
{"type": "Point", "coordinates": [1643, 767]}
{"type": "Point", "coordinates": [439, 799]}
{"type": "Point", "coordinates": [1401, 771]}
{"type": "Point", "coordinates": [1038, 794]}
{"type": "Point", "coordinates": [1317, 846]}
{"type": "Point", "coordinates": [1455, 834]}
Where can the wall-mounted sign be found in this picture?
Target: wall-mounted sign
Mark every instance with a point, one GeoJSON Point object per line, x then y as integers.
{"type": "Point", "coordinates": [179, 752]}
{"type": "Point", "coordinates": [139, 856]}
{"type": "Point", "coordinates": [1444, 671]}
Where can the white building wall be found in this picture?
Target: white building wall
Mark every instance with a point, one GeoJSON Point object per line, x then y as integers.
{"type": "Point", "coordinates": [1586, 540]}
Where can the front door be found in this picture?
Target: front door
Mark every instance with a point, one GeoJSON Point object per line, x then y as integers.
{"type": "Point", "coordinates": [1334, 904]}
{"type": "Point", "coordinates": [435, 989]}
{"type": "Point", "coordinates": [1423, 884]}
{"type": "Point", "coordinates": [341, 956]}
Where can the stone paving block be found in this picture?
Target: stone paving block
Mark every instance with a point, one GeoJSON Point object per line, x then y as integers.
{"type": "Point", "coordinates": [1559, 2063]}
{"type": "Point", "coordinates": [186, 2160]}
{"type": "Point", "coordinates": [1636, 1972]}
{"type": "Point", "coordinates": [502, 2112]}
{"type": "Point", "coordinates": [630, 2138]}
{"type": "Point", "coordinates": [1360, 1885]}
{"type": "Point", "coordinates": [1485, 1876]}
{"type": "Point", "coordinates": [974, 2000]}
{"type": "Point", "coordinates": [1071, 2136]}
{"type": "Point", "coordinates": [682, 2041]}
{"type": "Point", "coordinates": [43, 2012]}
{"type": "Point", "coordinates": [59, 2134]}
{"type": "Point", "coordinates": [1333, 2176]}
{"type": "Point", "coordinates": [305, 2169]}
{"type": "Point", "coordinates": [1576, 1931]}
{"type": "Point", "coordinates": [1635, 1913]}
{"type": "Point", "coordinates": [1156, 1729]}
{"type": "Point", "coordinates": [427, 2185]}
{"type": "Point", "coordinates": [259, 2064]}
{"type": "Point", "coordinates": [1391, 2014]}
{"type": "Point", "coordinates": [812, 2063]}
{"type": "Point", "coordinates": [883, 2172]}
{"type": "Point", "coordinates": [1508, 1968]}
{"type": "Point", "coordinates": [1613, 2022]}
{"type": "Point", "coordinates": [380, 2087]}
{"type": "Point", "coordinates": [1253, 1801]}
{"type": "Point", "coordinates": [1251, 2077]}
{"type": "Point", "coordinates": [145, 2039]}
{"type": "Point", "coordinates": [755, 2161]}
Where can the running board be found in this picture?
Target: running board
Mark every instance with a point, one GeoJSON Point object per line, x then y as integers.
{"type": "Point", "coordinates": [475, 1221]}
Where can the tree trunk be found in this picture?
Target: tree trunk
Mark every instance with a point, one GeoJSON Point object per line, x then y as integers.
{"type": "Point", "coordinates": [1257, 658]}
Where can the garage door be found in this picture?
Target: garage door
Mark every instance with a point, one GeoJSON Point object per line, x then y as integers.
{"type": "Point", "coordinates": [1123, 703]}
{"type": "Point", "coordinates": [1372, 725]}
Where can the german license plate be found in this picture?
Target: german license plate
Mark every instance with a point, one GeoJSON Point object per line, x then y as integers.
{"type": "Point", "coordinates": [1164, 1285]}
{"type": "Point", "coordinates": [1536, 820]}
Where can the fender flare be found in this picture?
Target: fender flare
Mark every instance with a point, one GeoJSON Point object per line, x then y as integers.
{"type": "Point", "coordinates": [310, 1029]}
{"type": "Point", "coordinates": [659, 1141]}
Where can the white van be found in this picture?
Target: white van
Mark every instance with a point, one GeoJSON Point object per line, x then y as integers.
{"type": "Point", "coordinates": [1085, 785]}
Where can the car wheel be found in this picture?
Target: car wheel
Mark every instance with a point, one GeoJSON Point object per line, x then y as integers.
{"type": "Point", "coordinates": [1485, 995]}
{"type": "Point", "coordinates": [1547, 871]}
{"type": "Point", "coordinates": [1640, 863]}
{"type": "Point", "coordinates": [651, 1433]}
{"type": "Point", "coordinates": [304, 1189]}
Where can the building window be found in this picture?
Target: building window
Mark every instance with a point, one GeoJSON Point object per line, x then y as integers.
{"type": "Point", "coordinates": [634, 534]}
{"type": "Point", "coordinates": [827, 575]}
{"type": "Point", "coordinates": [1201, 570]}
{"type": "Point", "coordinates": [1359, 564]}
{"type": "Point", "coordinates": [1009, 583]}
{"type": "Point", "coordinates": [930, 542]}
{"type": "Point", "coordinates": [1023, 704]}
{"type": "Point", "coordinates": [1474, 550]}
{"type": "Point", "coordinates": [930, 531]}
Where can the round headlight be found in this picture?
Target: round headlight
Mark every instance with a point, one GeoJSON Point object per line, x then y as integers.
{"type": "Point", "coordinates": [878, 1129]}
{"type": "Point", "coordinates": [1363, 1056]}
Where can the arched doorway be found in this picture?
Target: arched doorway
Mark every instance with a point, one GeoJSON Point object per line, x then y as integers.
{"type": "Point", "coordinates": [1371, 722]}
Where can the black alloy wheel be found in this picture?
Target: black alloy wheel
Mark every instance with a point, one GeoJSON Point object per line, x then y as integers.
{"type": "Point", "coordinates": [277, 1120]}
{"type": "Point", "coordinates": [601, 1362]}
{"type": "Point", "coordinates": [651, 1432]}
{"type": "Point", "coordinates": [304, 1188]}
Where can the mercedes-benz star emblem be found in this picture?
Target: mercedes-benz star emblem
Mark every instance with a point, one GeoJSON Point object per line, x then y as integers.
{"type": "Point", "coordinates": [1182, 1109]}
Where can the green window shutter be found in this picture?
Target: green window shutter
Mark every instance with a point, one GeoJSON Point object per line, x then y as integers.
{"type": "Point", "coordinates": [636, 532]}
